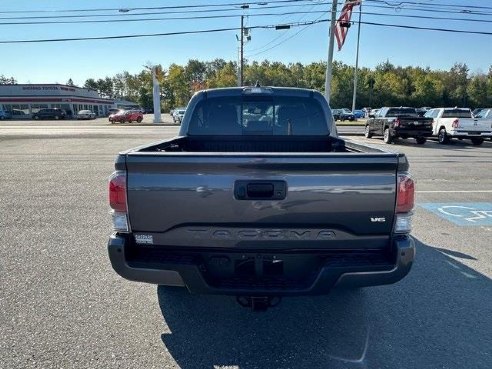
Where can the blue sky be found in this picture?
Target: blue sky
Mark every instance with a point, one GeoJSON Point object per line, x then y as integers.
{"type": "Point", "coordinates": [79, 60]}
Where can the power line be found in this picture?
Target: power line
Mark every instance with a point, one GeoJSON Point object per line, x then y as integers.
{"type": "Point", "coordinates": [235, 29]}
{"type": "Point", "coordinates": [282, 35]}
{"type": "Point", "coordinates": [235, 16]}
{"type": "Point", "coordinates": [86, 10]}
{"type": "Point", "coordinates": [159, 19]}
{"type": "Point", "coordinates": [146, 35]}
{"type": "Point", "coordinates": [401, 3]}
{"type": "Point", "coordinates": [288, 38]}
{"type": "Point", "coordinates": [172, 9]}
{"type": "Point", "coordinates": [428, 28]}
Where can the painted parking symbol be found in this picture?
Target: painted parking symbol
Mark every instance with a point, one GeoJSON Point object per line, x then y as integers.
{"type": "Point", "coordinates": [463, 214]}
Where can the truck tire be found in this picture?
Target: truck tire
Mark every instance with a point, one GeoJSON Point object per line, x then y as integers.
{"type": "Point", "coordinates": [442, 136]}
{"type": "Point", "coordinates": [139, 119]}
{"type": "Point", "coordinates": [420, 140]}
{"type": "Point", "coordinates": [477, 141]}
{"type": "Point", "coordinates": [367, 132]}
{"type": "Point", "coordinates": [387, 136]}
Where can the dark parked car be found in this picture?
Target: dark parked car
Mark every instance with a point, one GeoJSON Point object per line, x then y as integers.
{"type": "Point", "coordinates": [343, 115]}
{"type": "Point", "coordinates": [5, 115]}
{"type": "Point", "coordinates": [50, 114]}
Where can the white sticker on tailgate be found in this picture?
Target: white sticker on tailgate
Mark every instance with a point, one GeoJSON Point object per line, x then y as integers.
{"type": "Point", "coordinates": [144, 239]}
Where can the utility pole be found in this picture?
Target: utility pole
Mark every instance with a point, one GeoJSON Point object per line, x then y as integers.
{"type": "Point", "coordinates": [241, 75]}
{"type": "Point", "coordinates": [329, 65]}
{"type": "Point", "coordinates": [356, 61]}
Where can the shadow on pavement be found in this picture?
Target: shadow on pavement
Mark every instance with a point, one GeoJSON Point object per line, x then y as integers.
{"type": "Point", "coordinates": [439, 316]}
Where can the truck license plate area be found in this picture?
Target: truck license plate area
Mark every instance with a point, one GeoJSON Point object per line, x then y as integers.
{"type": "Point", "coordinates": [261, 270]}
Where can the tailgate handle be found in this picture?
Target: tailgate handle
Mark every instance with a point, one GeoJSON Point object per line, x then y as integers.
{"type": "Point", "coordinates": [260, 190]}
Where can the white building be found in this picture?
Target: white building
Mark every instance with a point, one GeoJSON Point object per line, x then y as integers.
{"type": "Point", "coordinates": [23, 100]}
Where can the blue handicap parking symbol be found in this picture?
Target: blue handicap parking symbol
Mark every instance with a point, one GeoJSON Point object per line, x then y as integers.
{"type": "Point", "coordinates": [463, 213]}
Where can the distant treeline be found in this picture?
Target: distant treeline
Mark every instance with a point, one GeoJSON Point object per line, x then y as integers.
{"type": "Point", "coordinates": [386, 84]}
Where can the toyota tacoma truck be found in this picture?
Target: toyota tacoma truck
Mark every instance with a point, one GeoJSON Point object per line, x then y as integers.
{"type": "Point", "coordinates": [449, 123]}
{"type": "Point", "coordinates": [259, 198]}
{"type": "Point", "coordinates": [399, 122]}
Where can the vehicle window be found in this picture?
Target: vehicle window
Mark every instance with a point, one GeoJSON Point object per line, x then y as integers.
{"type": "Point", "coordinates": [393, 112]}
{"type": "Point", "coordinates": [456, 113]}
{"type": "Point", "coordinates": [253, 115]}
{"type": "Point", "coordinates": [484, 113]}
{"type": "Point", "coordinates": [429, 114]}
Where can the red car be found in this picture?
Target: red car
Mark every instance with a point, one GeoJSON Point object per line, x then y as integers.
{"type": "Point", "coordinates": [129, 116]}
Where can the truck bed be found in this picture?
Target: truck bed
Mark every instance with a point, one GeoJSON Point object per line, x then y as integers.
{"type": "Point", "coordinates": [246, 144]}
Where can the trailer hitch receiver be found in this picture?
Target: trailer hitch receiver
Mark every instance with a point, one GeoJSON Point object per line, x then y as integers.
{"type": "Point", "coordinates": [258, 303]}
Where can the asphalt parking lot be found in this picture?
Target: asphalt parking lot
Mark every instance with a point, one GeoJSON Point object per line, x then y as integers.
{"type": "Point", "coordinates": [62, 306]}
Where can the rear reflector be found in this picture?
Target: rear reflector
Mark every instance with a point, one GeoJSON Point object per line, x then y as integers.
{"type": "Point", "coordinates": [120, 221]}
{"type": "Point", "coordinates": [403, 223]}
{"type": "Point", "coordinates": [117, 191]}
{"type": "Point", "coordinates": [405, 195]}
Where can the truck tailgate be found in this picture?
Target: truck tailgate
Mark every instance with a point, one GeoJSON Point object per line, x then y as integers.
{"type": "Point", "coordinates": [474, 125]}
{"type": "Point", "coordinates": [334, 200]}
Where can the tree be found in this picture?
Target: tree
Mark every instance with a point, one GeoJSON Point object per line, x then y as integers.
{"type": "Point", "coordinates": [177, 87]}
{"type": "Point", "coordinates": [7, 80]}
{"type": "Point", "coordinates": [91, 84]}
{"type": "Point", "coordinates": [226, 77]}
{"type": "Point", "coordinates": [70, 82]}
{"type": "Point", "coordinates": [477, 91]}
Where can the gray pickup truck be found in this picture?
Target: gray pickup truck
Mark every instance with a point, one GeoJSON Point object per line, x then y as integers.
{"type": "Point", "coordinates": [259, 198]}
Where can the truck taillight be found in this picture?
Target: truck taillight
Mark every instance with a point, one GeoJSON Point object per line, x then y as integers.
{"type": "Point", "coordinates": [405, 195]}
{"type": "Point", "coordinates": [456, 123]}
{"type": "Point", "coordinates": [117, 201]}
{"type": "Point", "coordinates": [396, 122]}
{"type": "Point", "coordinates": [405, 199]}
{"type": "Point", "coordinates": [117, 191]}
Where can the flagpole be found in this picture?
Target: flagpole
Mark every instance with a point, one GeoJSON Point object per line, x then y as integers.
{"type": "Point", "coordinates": [329, 65]}
{"type": "Point", "coordinates": [354, 97]}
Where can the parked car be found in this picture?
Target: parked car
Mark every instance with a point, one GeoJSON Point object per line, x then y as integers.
{"type": "Point", "coordinates": [18, 113]}
{"type": "Point", "coordinates": [86, 114]}
{"type": "Point", "coordinates": [129, 116]}
{"type": "Point", "coordinates": [4, 114]}
{"type": "Point", "coordinates": [421, 111]}
{"type": "Point", "coordinates": [178, 115]}
{"type": "Point", "coordinates": [250, 220]}
{"type": "Point", "coordinates": [449, 123]}
{"type": "Point", "coordinates": [343, 115]}
{"type": "Point", "coordinates": [359, 114]}
{"type": "Point", "coordinates": [373, 113]}
{"type": "Point", "coordinates": [399, 122]}
{"type": "Point", "coordinates": [53, 113]}
{"type": "Point", "coordinates": [114, 111]}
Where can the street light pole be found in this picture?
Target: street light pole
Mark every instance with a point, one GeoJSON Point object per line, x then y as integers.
{"type": "Point", "coordinates": [356, 61]}
{"type": "Point", "coordinates": [156, 96]}
{"type": "Point", "coordinates": [329, 65]}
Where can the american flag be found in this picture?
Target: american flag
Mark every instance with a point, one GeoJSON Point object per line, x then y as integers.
{"type": "Point", "coordinates": [341, 28]}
